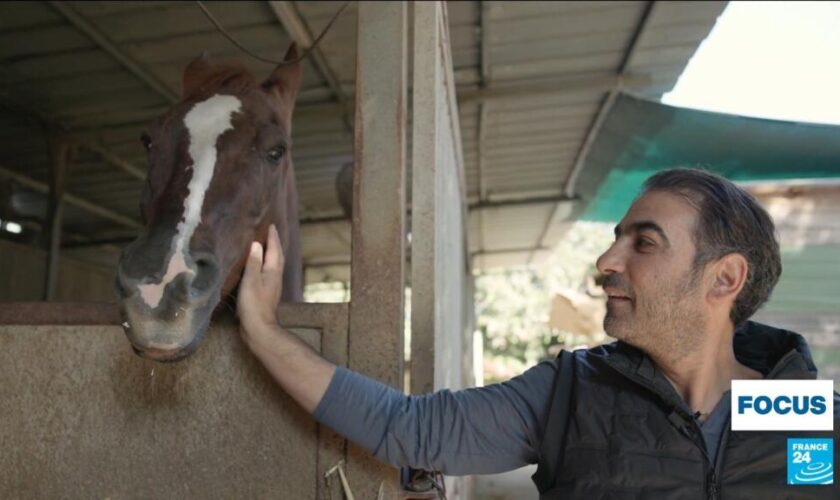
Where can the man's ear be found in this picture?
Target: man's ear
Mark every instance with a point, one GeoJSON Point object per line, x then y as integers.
{"type": "Point", "coordinates": [730, 276]}
{"type": "Point", "coordinates": [286, 79]}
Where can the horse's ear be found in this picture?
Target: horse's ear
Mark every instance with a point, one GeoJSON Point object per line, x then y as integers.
{"type": "Point", "coordinates": [286, 78]}
{"type": "Point", "coordinates": [195, 74]}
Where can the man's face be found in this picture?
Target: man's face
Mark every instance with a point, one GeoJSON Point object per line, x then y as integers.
{"type": "Point", "coordinates": [655, 300]}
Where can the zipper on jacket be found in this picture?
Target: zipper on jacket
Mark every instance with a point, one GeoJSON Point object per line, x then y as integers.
{"type": "Point", "coordinates": [721, 453]}
{"type": "Point", "coordinates": [711, 485]}
{"type": "Point", "coordinates": [687, 426]}
{"type": "Point", "coordinates": [710, 478]}
{"type": "Point", "coordinates": [691, 429]}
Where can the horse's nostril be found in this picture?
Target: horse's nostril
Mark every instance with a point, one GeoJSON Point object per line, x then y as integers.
{"type": "Point", "coordinates": [206, 274]}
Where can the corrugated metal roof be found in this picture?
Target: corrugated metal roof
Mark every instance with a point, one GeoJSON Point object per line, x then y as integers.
{"type": "Point", "coordinates": [532, 78]}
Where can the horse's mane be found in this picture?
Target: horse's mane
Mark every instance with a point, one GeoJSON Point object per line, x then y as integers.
{"type": "Point", "coordinates": [211, 78]}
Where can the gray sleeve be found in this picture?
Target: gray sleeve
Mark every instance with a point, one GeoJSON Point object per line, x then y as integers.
{"type": "Point", "coordinates": [473, 431]}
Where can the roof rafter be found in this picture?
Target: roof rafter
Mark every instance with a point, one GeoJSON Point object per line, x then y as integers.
{"type": "Point", "coordinates": [108, 156]}
{"type": "Point", "coordinates": [71, 199]}
{"type": "Point", "coordinates": [484, 65]}
{"type": "Point", "coordinates": [106, 44]}
{"type": "Point", "coordinates": [597, 122]}
{"type": "Point", "coordinates": [291, 19]}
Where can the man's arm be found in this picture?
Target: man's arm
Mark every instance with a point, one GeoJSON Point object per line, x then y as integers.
{"type": "Point", "coordinates": [298, 369]}
{"type": "Point", "coordinates": [483, 430]}
{"type": "Point", "coordinates": [473, 431]}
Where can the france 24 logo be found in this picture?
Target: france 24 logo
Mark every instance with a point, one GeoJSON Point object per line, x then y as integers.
{"type": "Point", "coordinates": [810, 461]}
{"type": "Point", "coordinates": [782, 405]}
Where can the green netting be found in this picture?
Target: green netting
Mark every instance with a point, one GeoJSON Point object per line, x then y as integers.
{"type": "Point", "coordinates": [640, 137]}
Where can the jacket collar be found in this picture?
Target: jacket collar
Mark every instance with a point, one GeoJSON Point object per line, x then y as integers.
{"type": "Point", "coordinates": [774, 352]}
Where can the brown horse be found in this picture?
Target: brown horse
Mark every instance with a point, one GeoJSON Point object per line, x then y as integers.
{"type": "Point", "coordinates": [220, 172]}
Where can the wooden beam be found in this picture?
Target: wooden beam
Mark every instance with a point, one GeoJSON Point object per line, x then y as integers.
{"type": "Point", "coordinates": [59, 149]}
{"type": "Point", "coordinates": [59, 313]}
{"type": "Point", "coordinates": [76, 201]}
{"type": "Point", "coordinates": [114, 160]}
{"type": "Point", "coordinates": [106, 44]}
{"type": "Point", "coordinates": [87, 242]}
{"type": "Point", "coordinates": [291, 19]}
{"type": "Point", "coordinates": [109, 157]}
{"type": "Point", "coordinates": [378, 242]}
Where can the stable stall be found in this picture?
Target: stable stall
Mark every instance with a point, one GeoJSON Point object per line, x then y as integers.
{"type": "Point", "coordinates": [468, 125]}
{"type": "Point", "coordinates": [83, 416]}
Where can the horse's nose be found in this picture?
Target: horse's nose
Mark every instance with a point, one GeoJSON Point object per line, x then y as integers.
{"type": "Point", "coordinates": [199, 284]}
{"type": "Point", "coordinates": [206, 278]}
{"type": "Point", "coordinates": [131, 268]}
{"type": "Point", "coordinates": [126, 286]}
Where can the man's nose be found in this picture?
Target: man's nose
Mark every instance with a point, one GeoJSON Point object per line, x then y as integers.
{"type": "Point", "coordinates": [611, 261]}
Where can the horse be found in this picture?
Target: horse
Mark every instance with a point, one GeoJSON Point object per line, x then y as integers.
{"type": "Point", "coordinates": [220, 173]}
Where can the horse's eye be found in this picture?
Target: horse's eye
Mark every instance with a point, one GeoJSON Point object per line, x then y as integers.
{"type": "Point", "coordinates": [276, 153]}
{"type": "Point", "coordinates": [146, 139]}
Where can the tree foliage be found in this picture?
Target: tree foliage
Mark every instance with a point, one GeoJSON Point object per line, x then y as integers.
{"type": "Point", "coordinates": [512, 305]}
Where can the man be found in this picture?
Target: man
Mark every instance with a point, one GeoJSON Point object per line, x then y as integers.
{"type": "Point", "coordinates": [644, 417]}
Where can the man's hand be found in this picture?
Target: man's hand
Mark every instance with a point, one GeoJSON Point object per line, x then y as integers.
{"type": "Point", "coordinates": [261, 286]}
{"type": "Point", "coordinates": [298, 369]}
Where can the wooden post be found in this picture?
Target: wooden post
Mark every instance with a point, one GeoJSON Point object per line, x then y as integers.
{"type": "Point", "coordinates": [59, 156]}
{"type": "Point", "coordinates": [378, 246]}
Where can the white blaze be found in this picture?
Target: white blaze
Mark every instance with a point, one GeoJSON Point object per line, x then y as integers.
{"type": "Point", "coordinates": [206, 121]}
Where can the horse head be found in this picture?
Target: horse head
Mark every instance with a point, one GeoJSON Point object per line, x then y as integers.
{"type": "Point", "coordinates": [220, 172]}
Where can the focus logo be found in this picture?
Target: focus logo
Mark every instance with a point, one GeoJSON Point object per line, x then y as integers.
{"type": "Point", "coordinates": [782, 405]}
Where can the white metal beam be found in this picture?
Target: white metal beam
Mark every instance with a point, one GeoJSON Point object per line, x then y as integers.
{"type": "Point", "coordinates": [597, 122]}
{"type": "Point", "coordinates": [608, 101]}
{"type": "Point", "coordinates": [484, 63]}
{"type": "Point", "coordinates": [552, 86]}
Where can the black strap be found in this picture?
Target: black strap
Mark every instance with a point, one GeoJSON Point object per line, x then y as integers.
{"type": "Point", "coordinates": [554, 433]}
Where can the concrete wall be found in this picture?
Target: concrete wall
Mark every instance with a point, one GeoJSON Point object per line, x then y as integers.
{"type": "Point", "coordinates": [81, 416]}
{"type": "Point", "coordinates": [22, 275]}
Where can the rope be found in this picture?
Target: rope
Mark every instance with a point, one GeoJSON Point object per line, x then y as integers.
{"type": "Point", "coordinates": [304, 55]}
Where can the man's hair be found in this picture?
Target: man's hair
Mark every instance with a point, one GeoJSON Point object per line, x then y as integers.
{"type": "Point", "coordinates": [730, 221]}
